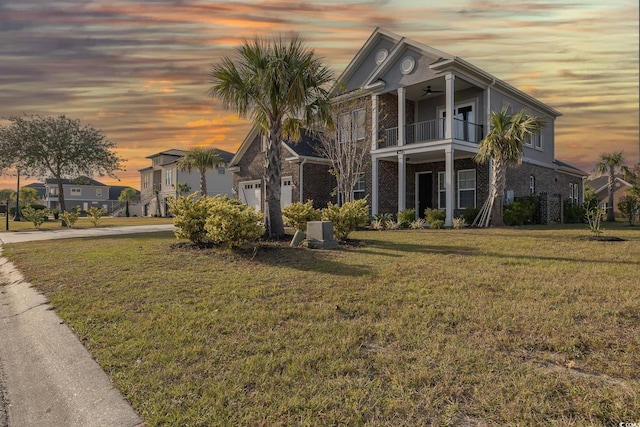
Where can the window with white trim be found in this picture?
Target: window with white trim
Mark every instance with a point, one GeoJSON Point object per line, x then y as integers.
{"type": "Point", "coordinates": [574, 195]}
{"type": "Point", "coordinates": [359, 190]}
{"type": "Point", "coordinates": [76, 191]}
{"type": "Point", "coordinates": [168, 178]}
{"type": "Point", "coordinates": [533, 141]}
{"type": "Point", "coordinates": [344, 127]}
{"type": "Point", "coordinates": [466, 188]}
{"type": "Point", "coordinates": [358, 124]}
{"type": "Point", "coordinates": [98, 192]}
{"type": "Point", "coordinates": [532, 185]}
{"type": "Point", "coordinates": [442, 191]}
{"type": "Point", "coordinates": [145, 181]}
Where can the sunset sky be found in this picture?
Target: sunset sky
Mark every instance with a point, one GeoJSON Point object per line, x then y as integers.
{"type": "Point", "coordinates": [139, 70]}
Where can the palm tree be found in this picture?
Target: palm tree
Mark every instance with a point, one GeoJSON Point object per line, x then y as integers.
{"type": "Point", "coordinates": [503, 145]}
{"type": "Point", "coordinates": [203, 159]}
{"type": "Point", "coordinates": [281, 87]}
{"type": "Point", "coordinates": [127, 195]}
{"type": "Point", "coordinates": [608, 164]}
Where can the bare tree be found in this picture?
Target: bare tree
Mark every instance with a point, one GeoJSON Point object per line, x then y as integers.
{"type": "Point", "coordinates": [347, 144]}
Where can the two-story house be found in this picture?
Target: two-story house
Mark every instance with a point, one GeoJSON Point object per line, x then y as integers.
{"type": "Point", "coordinates": [427, 111]}
{"type": "Point", "coordinates": [81, 192]}
{"type": "Point", "coordinates": [159, 181]}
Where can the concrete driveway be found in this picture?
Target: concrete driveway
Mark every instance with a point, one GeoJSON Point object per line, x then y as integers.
{"type": "Point", "coordinates": [47, 378]}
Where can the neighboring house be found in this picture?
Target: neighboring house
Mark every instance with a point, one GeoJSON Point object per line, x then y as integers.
{"type": "Point", "coordinates": [423, 113]}
{"type": "Point", "coordinates": [601, 187]}
{"type": "Point", "coordinates": [305, 174]}
{"type": "Point", "coordinates": [159, 181]}
{"type": "Point", "coordinates": [40, 189]}
{"type": "Point", "coordinates": [84, 193]}
{"type": "Point", "coordinates": [118, 208]}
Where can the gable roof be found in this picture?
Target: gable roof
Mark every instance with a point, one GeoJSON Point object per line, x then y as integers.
{"type": "Point", "coordinates": [444, 62]}
{"type": "Point", "coordinates": [601, 183]}
{"type": "Point", "coordinates": [81, 180]}
{"type": "Point", "coordinates": [170, 152]}
{"type": "Point", "coordinates": [178, 153]}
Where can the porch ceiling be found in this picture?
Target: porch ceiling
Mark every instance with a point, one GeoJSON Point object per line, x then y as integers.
{"type": "Point", "coordinates": [416, 92]}
{"type": "Point", "coordinates": [426, 157]}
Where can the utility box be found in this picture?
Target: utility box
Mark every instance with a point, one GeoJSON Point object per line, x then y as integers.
{"type": "Point", "coordinates": [320, 235]}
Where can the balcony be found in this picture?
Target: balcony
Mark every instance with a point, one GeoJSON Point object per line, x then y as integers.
{"type": "Point", "coordinates": [432, 130]}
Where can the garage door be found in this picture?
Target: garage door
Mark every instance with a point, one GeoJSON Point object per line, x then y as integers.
{"type": "Point", "coordinates": [251, 194]}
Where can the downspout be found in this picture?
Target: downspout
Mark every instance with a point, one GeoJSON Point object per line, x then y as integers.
{"type": "Point", "coordinates": [301, 179]}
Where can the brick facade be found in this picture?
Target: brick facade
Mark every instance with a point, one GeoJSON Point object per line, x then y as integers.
{"type": "Point", "coordinates": [318, 183]}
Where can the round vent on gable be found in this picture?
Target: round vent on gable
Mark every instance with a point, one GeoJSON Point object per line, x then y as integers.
{"type": "Point", "coordinates": [381, 56]}
{"type": "Point", "coordinates": [407, 64]}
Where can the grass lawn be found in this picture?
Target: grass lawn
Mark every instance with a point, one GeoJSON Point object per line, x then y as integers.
{"type": "Point", "coordinates": [514, 326]}
{"type": "Point", "coordinates": [24, 225]}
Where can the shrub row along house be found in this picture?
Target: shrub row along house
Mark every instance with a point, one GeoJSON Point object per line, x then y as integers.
{"type": "Point", "coordinates": [164, 179]}
{"type": "Point", "coordinates": [422, 113]}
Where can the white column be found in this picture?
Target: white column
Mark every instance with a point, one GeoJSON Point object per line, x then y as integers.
{"type": "Point", "coordinates": [402, 181]}
{"type": "Point", "coordinates": [450, 88]}
{"type": "Point", "coordinates": [402, 120]}
{"type": "Point", "coordinates": [448, 185]}
{"type": "Point", "coordinates": [374, 186]}
{"type": "Point", "coordinates": [374, 122]}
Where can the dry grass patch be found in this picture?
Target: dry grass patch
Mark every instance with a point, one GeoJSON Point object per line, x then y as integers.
{"type": "Point", "coordinates": [412, 327]}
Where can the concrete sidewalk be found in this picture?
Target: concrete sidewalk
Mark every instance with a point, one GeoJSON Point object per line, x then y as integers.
{"type": "Point", "coordinates": [70, 233]}
{"type": "Point", "coordinates": [47, 378]}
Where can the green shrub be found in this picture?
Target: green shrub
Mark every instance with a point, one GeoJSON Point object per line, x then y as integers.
{"type": "Point", "coordinates": [231, 223]}
{"type": "Point", "coordinates": [96, 215]}
{"type": "Point", "coordinates": [56, 213]}
{"type": "Point", "coordinates": [519, 212]}
{"type": "Point", "coordinates": [392, 225]}
{"type": "Point", "coordinates": [573, 213]}
{"type": "Point", "coordinates": [628, 205]}
{"type": "Point", "coordinates": [380, 221]}
{"type": "Point", "coordinates": [458, 223]}
{"type": "Point", "coordinates": [70, 218]}
{"type": "Point", "coordinates": [470, 214]}
{"type": "Point", "coordinates": [37, 216]}
{"type": "Point", "coordinates": [431, 215]}
{"type": "Point", "coordinates": [38, 207]}
{"type": "Point", "coordinates": [346, 218]}
{"type": "Point", "coordinates": [418, 224]}
{"type": "Point", "coordinates": [189, 216]}
{"type": "Point", "coordinates": [406, 217]}
{"type": "Point", "coordinates": [436, 224]}
{"type": "Point", "coordinates": [297, 215]}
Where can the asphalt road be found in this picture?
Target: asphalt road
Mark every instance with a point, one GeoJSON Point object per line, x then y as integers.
{"type": "Point", "coordinates": [47, 378]}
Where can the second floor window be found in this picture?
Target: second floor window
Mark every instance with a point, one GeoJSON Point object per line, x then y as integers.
{"type": "Point", "coordinates": [98, 192]}
{"type": "Point", "coordinates": [145, 181]}
{"type": "Point", "coordinates": [351, 126]}
{"type": "Point", "coordinates": [75, 191]}
{"type": "Point", "coordinates": [168, 178]}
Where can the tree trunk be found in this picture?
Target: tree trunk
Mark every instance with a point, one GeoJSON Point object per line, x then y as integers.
{"type": "Point", "coordinates": [203, 182]}
{"type": "Point", "coordinates": [273, 177]}
{"type": "Point", "coordinates": [61, 203]}
{"type": "Point", "coordinates": [610, 186]}
{"type": "Point", "coordinates": [498, 182]}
